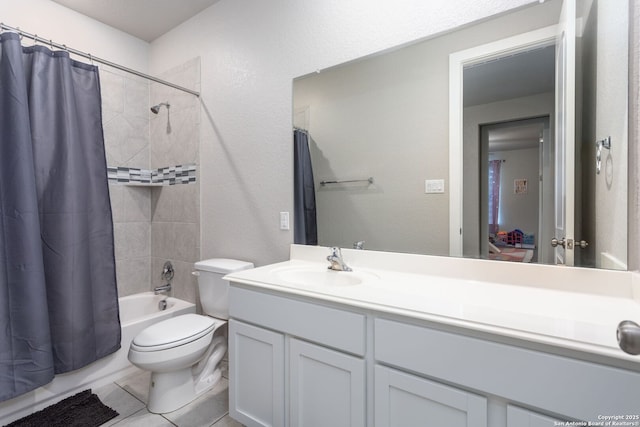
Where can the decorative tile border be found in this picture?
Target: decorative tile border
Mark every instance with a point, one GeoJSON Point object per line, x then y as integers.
{"type": "Point", "coordinates": [170, 175]}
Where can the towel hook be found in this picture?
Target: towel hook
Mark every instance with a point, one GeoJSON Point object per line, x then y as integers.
{"type": "Point", "coordinates": [600, 144]}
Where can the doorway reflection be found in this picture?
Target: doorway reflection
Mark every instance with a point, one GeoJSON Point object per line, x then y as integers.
{"type": "Point", "coordinates": [514, 169]}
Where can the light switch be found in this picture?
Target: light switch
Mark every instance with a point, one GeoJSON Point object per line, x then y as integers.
{"type": "Point", "coordinates": [434, 186]}
{"type": "Point", "coordinates": [284, 220]}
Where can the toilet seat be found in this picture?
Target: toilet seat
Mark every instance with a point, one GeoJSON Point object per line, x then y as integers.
{"type": "Point", "coordinates": [174, 332]}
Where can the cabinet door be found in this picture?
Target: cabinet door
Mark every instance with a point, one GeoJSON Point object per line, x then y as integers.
{"type": "Point", "coordinates": [518, 417]}
{"type": "Point", "coordinates": [327, 387]}
{"type": "Point", "coordinates": [403, 400]}
{"type": "Point", "coordinates": [256, 375]}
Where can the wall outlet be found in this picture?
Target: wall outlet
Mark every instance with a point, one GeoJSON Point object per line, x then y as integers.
{"type": "Point", "coordinates": [434, 186]}
{"type": "Point", "coordinates": [284, 220]}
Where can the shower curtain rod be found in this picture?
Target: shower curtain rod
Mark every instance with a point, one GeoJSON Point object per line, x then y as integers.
{"type": "Point", "coordinates": [90, 57]}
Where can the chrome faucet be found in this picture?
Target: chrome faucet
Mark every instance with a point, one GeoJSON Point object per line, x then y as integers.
{"type": "Point", "coordinates": [337, 263]}
{"type": "Point", "coordinates": [162, 289]}
{"type": "Point", "coordinates": [358, 245]}
{"type": "Point", "coordinates": [166, 276]}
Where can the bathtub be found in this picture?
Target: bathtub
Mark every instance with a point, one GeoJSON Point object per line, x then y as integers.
{"type": "Point", "coordinates": [136, 313]}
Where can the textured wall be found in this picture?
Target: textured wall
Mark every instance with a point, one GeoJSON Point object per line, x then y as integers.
{"type": "Point", "coordinates": [251, 51]}
{"type": "Point", "coordinates": [50, 20]}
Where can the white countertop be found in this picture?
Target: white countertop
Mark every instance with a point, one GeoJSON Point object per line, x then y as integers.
{"type": "Point", "coordinates": [574, 308]}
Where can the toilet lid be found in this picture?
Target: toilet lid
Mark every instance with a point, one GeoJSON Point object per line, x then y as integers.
{"type": "Point", "coordinates": [173, 332]}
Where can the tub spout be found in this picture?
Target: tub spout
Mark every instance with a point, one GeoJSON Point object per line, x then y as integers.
{"type": "Point", "coordinates": [162, 289]}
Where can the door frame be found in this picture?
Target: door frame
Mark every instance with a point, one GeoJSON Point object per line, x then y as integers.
{"type": "Point", "coordinates": [457, 61]}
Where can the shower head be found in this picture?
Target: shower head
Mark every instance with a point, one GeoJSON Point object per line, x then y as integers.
{"type": "Point", "coordinates": [156, 108]}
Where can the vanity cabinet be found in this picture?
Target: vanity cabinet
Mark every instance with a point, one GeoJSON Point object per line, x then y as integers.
{"type": "Point", "coordinates": [293, 363]}
{"type": "Point", "coordinates": [402, 400]}
{"type": "Point", "coordinates": [302, 361]}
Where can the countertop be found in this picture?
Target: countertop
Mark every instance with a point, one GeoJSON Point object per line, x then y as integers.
{"type": "Point", "coordinates": [572, 308]}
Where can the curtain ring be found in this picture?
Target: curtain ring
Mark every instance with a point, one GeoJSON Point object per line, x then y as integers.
{"type": "Point", "coordinates": [90, 58]}
{"type": "Point", "coordinates": [35, 39]}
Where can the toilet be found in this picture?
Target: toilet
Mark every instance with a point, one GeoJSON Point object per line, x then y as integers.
{"type": "Point", "coordinates": [183, 353]}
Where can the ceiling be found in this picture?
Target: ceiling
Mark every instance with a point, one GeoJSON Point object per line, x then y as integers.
{"type": "Point", "coordinates": [523, 74]}
{"type": "Point", "coordinates": [526, 73]}
{"type": "Point", "coordinates": [145, 19]}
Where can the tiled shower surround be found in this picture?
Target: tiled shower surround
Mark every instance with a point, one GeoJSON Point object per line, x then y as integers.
{"type": "Point", "coordinates": [153, 224]}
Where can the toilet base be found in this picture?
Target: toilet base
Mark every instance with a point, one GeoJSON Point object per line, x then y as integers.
{"type": "Point", "coordinates": [169, 391]}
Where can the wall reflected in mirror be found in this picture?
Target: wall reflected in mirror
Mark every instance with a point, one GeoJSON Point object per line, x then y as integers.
{"type": "Point", "coordinates": [386, 117]}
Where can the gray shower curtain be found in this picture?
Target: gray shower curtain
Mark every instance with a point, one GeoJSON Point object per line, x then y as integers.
{"type": "Point", "coordinates": [305, 229]}
{"type": "Point", "coordinates": [58, 295]}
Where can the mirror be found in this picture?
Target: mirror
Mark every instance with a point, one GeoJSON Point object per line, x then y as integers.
{"type": "Point", "coordinates": [379, 126]}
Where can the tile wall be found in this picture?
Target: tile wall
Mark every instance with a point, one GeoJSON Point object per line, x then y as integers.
{"type": "Point", "coordinates": [125, 118]}
{"type": "Point", "coordinates": [153, 224]}
{"type": "Point", "coordinates": [175, 210]}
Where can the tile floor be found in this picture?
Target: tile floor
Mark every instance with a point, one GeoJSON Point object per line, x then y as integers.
{"type": "Point", "coordinates": [128, 397]}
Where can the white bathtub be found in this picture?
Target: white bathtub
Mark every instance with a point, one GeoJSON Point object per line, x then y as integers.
{"type": "Point", "coordinates": [136, 313]}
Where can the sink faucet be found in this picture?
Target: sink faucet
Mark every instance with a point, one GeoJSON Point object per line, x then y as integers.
{"type": "Point", "coordinates": [162, 289]}
{"type": "Point", "coordinates": [337, 263]}
{"type": "Point", "coordinates": [358, 245]}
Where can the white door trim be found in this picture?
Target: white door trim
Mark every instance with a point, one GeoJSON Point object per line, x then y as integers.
{"type": "Point", "coordinates": [457, 62]}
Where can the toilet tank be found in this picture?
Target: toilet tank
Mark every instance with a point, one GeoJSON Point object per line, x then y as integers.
{"type": "Point", "coordinates": [214, 291]}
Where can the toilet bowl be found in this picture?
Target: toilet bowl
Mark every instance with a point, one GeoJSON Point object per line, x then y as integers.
{"type": "Point", "coordinates": [183, 353]}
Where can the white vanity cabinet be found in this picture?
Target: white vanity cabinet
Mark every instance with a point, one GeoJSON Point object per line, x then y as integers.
{"type": "Point", "coordinates": [301, 360]}
{"type": "Point", "coordinates": [302, 366]}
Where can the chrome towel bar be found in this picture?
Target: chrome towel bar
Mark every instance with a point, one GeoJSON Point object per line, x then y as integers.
{"type": "Point", "coordinates": [369, 180]}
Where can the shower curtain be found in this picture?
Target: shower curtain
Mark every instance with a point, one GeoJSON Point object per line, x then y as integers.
{"type": "Point", "coordinates": [305, 229]}
{"type": "Point", "coordinates": [58, 295]}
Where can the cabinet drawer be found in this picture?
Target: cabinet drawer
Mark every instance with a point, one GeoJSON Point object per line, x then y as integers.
{"type": "Point", "coordinates": [530, 377]}
{"type": "Point", "coordinates": [340, 329]}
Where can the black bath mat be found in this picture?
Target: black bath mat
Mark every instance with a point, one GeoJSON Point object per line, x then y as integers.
{"type": "Point", "coordinates": [81, 410]}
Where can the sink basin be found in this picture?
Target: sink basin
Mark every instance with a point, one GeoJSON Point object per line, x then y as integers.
{"type": "Point", "coordinates": [322, 276]}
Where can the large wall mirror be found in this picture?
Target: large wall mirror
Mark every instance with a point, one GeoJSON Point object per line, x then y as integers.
{"type": "Point", "coordinates": [524, 166]}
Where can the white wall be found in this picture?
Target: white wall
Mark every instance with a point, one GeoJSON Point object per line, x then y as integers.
{"type": "Point", "coordinates": [612, 120]}
{"type": "Point", "coordinates": [518, 211]}
{"type": "Point", "coordinates": [251, 51]}
{"type": "Point", "coordinates": [64, 26]}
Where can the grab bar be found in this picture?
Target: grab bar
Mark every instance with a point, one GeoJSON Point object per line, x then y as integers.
{"type": "Point", "coordinates": [369, 180]}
